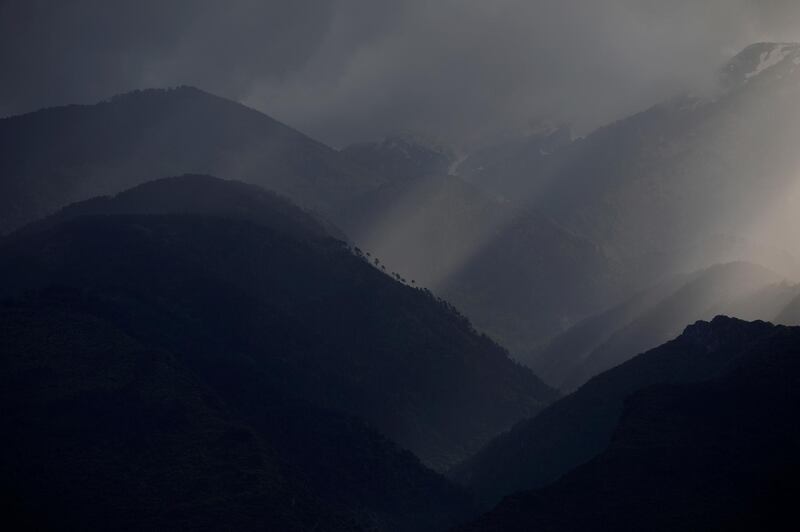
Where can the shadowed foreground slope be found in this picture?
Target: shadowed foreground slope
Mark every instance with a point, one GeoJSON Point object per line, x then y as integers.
{"type": "Point", "coordinates": [320, 321]}
{"type": "Point", "coordinates": [104, 432]}
{"type": "Point", "coordinates": [580, 426]}
{"type": "Point", "coordinates": [202, 370]}
{"type": "Point", "coordinates": [721, 454]}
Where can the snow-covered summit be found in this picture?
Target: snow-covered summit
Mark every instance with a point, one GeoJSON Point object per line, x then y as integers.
{"type": "Point", "coordinates": [759, 59]}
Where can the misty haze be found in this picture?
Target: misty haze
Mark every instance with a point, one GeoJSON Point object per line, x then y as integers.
{"type": "Point", "coordinates": [418, 266]}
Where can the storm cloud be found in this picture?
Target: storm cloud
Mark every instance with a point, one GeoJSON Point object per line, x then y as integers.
{"type": "Point", "coordinates": [345, 70]}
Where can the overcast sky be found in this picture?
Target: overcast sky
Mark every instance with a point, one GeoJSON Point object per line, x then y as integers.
{"type": "Point", "coordinates": [344, 70]}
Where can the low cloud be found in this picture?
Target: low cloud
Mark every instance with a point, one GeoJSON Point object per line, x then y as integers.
{"type": "Point", "coordinates": [345, 70]}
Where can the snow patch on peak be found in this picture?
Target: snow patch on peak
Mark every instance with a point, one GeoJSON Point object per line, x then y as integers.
{"type": "Point", "coordinates": [757, 60]}
{"type": "Point", "coordinates": [456, 164]}
{"type": "Point", "coordinates": [771, 58]}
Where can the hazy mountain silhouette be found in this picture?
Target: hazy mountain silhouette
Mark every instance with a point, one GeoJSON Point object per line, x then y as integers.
{"type": "Point", "coordinates": [765, 304]}
{"type": "Point", "coordinates": [580, 426]}
{"type": "Point", "coordinates": [201, 353]}
{"type": "Point", "coordinates": [566, 353]}
{"type": "Point", "coordinates": [649, 319]}
{"type": "Point", "coordinates": [719, 454]}
{"type": "Point", "coordinates": [664, 192]}
{"type": "Point", "coordinates": [62, 155]}
{"type": "Point", "coordinates": [510, 168]}
{"type": "Point", "coordinates": [320, 320]}
{"type": "Point", "coordinates": [520, 277]}
{"type": "Point", "coordinates": [653, 188]}
{"type": "Point", "coordinates": [57, 156]}
{"type": "Point", "coordinates": [402, 156]}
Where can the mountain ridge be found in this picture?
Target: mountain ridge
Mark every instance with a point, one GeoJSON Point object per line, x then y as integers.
{"type": "Point", "coordinates": [64, 154]}
{"type": "Point", "coordinates": [578, 427]}
{"type": "Point", "coordinates": [715, 454]}
{"type": "Point", "coordinates": [284, 285]}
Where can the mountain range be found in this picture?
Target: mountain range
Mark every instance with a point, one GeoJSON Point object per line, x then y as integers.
{"type": "Point", "coordinates": [402, 335]}
{"type": "Point", "coordinates": [657, 187]}
{"type": "Point", "coordinates": [58, 156]}
{"type": "Point", "coordinates": [619, 210]}
{"type": "Point", "coordinates": [254, 335]}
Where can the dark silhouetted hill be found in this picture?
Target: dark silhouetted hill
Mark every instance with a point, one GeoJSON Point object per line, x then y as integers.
{"type": "Point", "coordinates": [321, 321]}
{"type": "Point", "coordinates": [719, 454]}
{"type": "Point", "coordinates": [102, 431]}
{"type": "Point", "coordinates": [209, 368]}
{"type": "Point", "coordinates": [203, 194]}
{"type": "Point", "coordinates": [580, 426]}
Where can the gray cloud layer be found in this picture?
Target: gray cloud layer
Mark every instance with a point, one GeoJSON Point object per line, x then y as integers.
{"type": "Point", "coordinates": [345, 70]}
